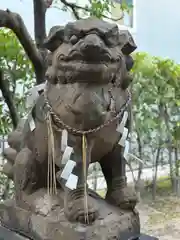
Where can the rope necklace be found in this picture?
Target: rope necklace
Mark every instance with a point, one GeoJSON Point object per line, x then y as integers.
{"type": "Point", "coordinates": [61, 124]}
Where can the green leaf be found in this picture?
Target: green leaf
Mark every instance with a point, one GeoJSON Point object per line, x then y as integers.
{"type": "Point", "coordinates": [19, 74]}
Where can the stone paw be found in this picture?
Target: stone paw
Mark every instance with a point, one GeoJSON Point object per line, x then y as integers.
{"type": "Point", "coordinates": [76, 211]}
{"type": "Point", "coordinates": [125, 198]}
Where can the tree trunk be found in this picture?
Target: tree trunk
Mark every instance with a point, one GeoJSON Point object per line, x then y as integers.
{"type": "Point", "coordinates": [176, 161]}
{"type": "Point", "coordinates": [165, 116]}
{"type": "Point", "coordinates": [154, 185]}
{"type": "Point", "coordinates": [137, 185]}
{"type": "Point", "coordinates": [8, 98]}
{"type": "Point", "coordinates": [40, 8]}
{"type": "Point", "coordinates": [171, 167]}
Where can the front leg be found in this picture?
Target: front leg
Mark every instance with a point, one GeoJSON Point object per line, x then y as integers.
{"type": "Point", "coordinates": [79, 207]}
{"type": "Point", "coordinates": [113, 168]}
{"type": "Point", "coordinates": [25, 176]}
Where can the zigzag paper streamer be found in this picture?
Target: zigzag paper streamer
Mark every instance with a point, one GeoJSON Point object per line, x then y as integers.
{"type": "Point", "coordinates": [126, 150]}
{"type": "Point", "coordinates": [124, 137]}
{"type": "Point", "coordinates": [72, 182]}
{"type": "Point", "coordinates": [33, 95]}
{"type": "Point", "coordinates": [68, 169]}
{"type": "Point", "coordinates": [67, 154]}
{"type": "Point", "coordinates": [31, 122]}
{"type": "Point", "coordinates": [120, 127]}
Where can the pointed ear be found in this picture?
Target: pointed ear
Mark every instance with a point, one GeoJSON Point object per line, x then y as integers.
{"type": "Point", "coordinates": [129, 62]}
{"type": "Point", "coordinates": [127, 42]}
{"type": "Point", "coordinates": [55, 38]}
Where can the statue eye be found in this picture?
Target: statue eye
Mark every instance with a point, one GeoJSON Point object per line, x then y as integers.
{"type": "Point", "coordinates": [74, 39]}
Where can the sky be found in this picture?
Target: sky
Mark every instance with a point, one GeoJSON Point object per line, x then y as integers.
{"type": "Point", "coordinates": [25, 9]}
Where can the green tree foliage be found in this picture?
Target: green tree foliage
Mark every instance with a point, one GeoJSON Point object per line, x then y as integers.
{"type": "Point", "coordinates": [156, 110]}
{"type": "Point", "coordinates": [156, 96]}
{"type": "Point", "coordinates": [97, 8]}
{"type": "Point", "coordinates": [18, 77]}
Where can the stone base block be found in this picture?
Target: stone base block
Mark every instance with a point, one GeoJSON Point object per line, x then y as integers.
{"type": "Point", "coordinates": [41, 217]}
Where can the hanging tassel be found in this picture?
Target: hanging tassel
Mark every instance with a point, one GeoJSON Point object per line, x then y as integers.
{"type": "Point", "coordinates": [51, 178]}
{"type": "Point", "coordinates": [84, 158]}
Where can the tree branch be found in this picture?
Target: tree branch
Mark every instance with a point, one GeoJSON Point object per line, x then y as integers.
{"type": "Point", "coordinates": [48, 3]}
{"type": "Point", "coordinates": [14, 22]}
{"type": "Point", "coordinates": [40, 7]}
{"type": "Point", "coordinates": [8, 99]}
{"type": "Point", "coordinates": [74, 7]}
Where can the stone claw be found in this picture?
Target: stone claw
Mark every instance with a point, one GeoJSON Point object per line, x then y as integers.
{"type": "Point", "coordinates": [10, 154]}
{"type": "Point", "coordinates": [76, 211]}
{"type": "Point", "coordinates": [8, 170]}
{"type": "Point", "coordinates": [125, 198]}
{"type": "Point", "coordinates": [15, 139]}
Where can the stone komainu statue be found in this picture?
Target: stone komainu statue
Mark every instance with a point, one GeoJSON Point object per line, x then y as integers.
{"type": "Point", "coordinates": [78, 118]}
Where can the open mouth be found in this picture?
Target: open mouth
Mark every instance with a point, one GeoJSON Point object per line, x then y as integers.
{"type": "Point", "coordinates": [100, 59]}
{"type": "Point", "coordinates": [80, 71]}
{"type": "Point", "coordinates": [77, 62]}
{"type": "Point", "coordinates": [84, 66]}
{"type": "Point", "coordinates": [76, 67]}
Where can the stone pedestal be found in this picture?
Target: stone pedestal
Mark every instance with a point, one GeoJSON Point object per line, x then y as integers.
{"type": "Point", "coordinates": [146, 237]}
{"type": "Point", "coordinates": [44, 219]}
{"type": "Point", "coordinates": [6, 234]}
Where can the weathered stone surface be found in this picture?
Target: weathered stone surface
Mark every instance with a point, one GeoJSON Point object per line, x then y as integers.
{"type": "Point", "coordinates": [85, 94]}
{"type": "Point", "coordinates": [6, 234]}
{"type": "Point", "coordinates": [147, 237]}
{"type": "Point", "coordinates": [46, 220]}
